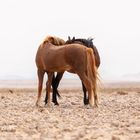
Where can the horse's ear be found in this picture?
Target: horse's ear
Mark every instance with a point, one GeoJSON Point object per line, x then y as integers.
{"type": "Point", "coordinates": [68, 37]}
{"type": "Point", "coordinates": [90, 38]}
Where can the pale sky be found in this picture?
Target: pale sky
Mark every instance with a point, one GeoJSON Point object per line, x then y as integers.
{"type": "Point", "coordinates": [115, 25]}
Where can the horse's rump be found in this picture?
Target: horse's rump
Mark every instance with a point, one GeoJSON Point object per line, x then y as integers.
{"type": "Point", "coordinates": [76, 57]}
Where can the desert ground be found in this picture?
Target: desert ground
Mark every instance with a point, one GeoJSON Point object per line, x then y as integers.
{"type": "Point", "coordinates": [116, 118]}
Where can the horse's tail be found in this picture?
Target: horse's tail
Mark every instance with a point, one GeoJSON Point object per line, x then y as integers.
{"type": "Point", "coordinates": [92, 70]}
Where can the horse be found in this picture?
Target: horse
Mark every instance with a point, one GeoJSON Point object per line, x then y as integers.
{"type": "Point", "coordinates": [51, 57]}
{"type": "Point", "coordinates": [56, 80]}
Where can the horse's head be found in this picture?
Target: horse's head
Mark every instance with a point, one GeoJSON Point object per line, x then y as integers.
{"type": "Point", "coordinates": [88, 43]}
{"type": "Point", "coordinates": [54, 40]}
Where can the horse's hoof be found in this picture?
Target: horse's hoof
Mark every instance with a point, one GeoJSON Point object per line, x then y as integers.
{"type": "Point", "coordinates": [56, 104]}
{"type": "Point", "coordinates": [96, 105]}
{"type": "Point", "coordinates": [45, 103]}
{"type": "Point", "coordinates": [88, 107]}
{"type": "Point", "coordinates": [86, 102]}
{"type": "Point", "coordinates": [37, 105]}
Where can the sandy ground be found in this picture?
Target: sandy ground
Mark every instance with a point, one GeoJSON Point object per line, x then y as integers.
{"type": "Point", "coordinates": [116, 118]}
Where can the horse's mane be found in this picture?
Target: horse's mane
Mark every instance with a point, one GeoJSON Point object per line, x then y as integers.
{"type": "Point", "coordinates": [54, 40]}
{"type": "Point", "coordinates": [87, 42]}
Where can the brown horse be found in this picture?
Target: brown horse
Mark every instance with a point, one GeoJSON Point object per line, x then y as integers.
{"type": "Point", "coordinates": [56, 79]}
{"type": "Point", "coordinates": [71, 57]}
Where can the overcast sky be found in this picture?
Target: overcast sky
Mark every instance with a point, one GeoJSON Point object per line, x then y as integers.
{"type": "Point", "coordinates": [115, 25]}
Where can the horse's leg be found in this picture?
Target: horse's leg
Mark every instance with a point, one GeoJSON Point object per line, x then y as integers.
{"type": "Point", "coordinates": [88, 84]}
{"type": "Point", "coordinates": [46, 98]}
{"type": "Point", "coordinates": [48, 86]}
{"type": "Point", "coordinates": [40, 82]}
{"type": "Point", "coordinates": [86, 101]}
{"type": "Point", "coordinates": [95, 97]}
{"type": "Point", "coordinates": [55, 83]}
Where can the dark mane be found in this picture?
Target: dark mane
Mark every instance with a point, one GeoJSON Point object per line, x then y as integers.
{"type": "Point", "coordinates": [86, 42]}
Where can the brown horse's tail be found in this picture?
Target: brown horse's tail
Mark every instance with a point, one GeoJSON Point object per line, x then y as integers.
{"type": "Point", "coordinates": [92, 71]}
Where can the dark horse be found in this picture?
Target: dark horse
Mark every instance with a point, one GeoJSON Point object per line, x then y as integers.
{"type": "Point", "coordinates": [56, 79]}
